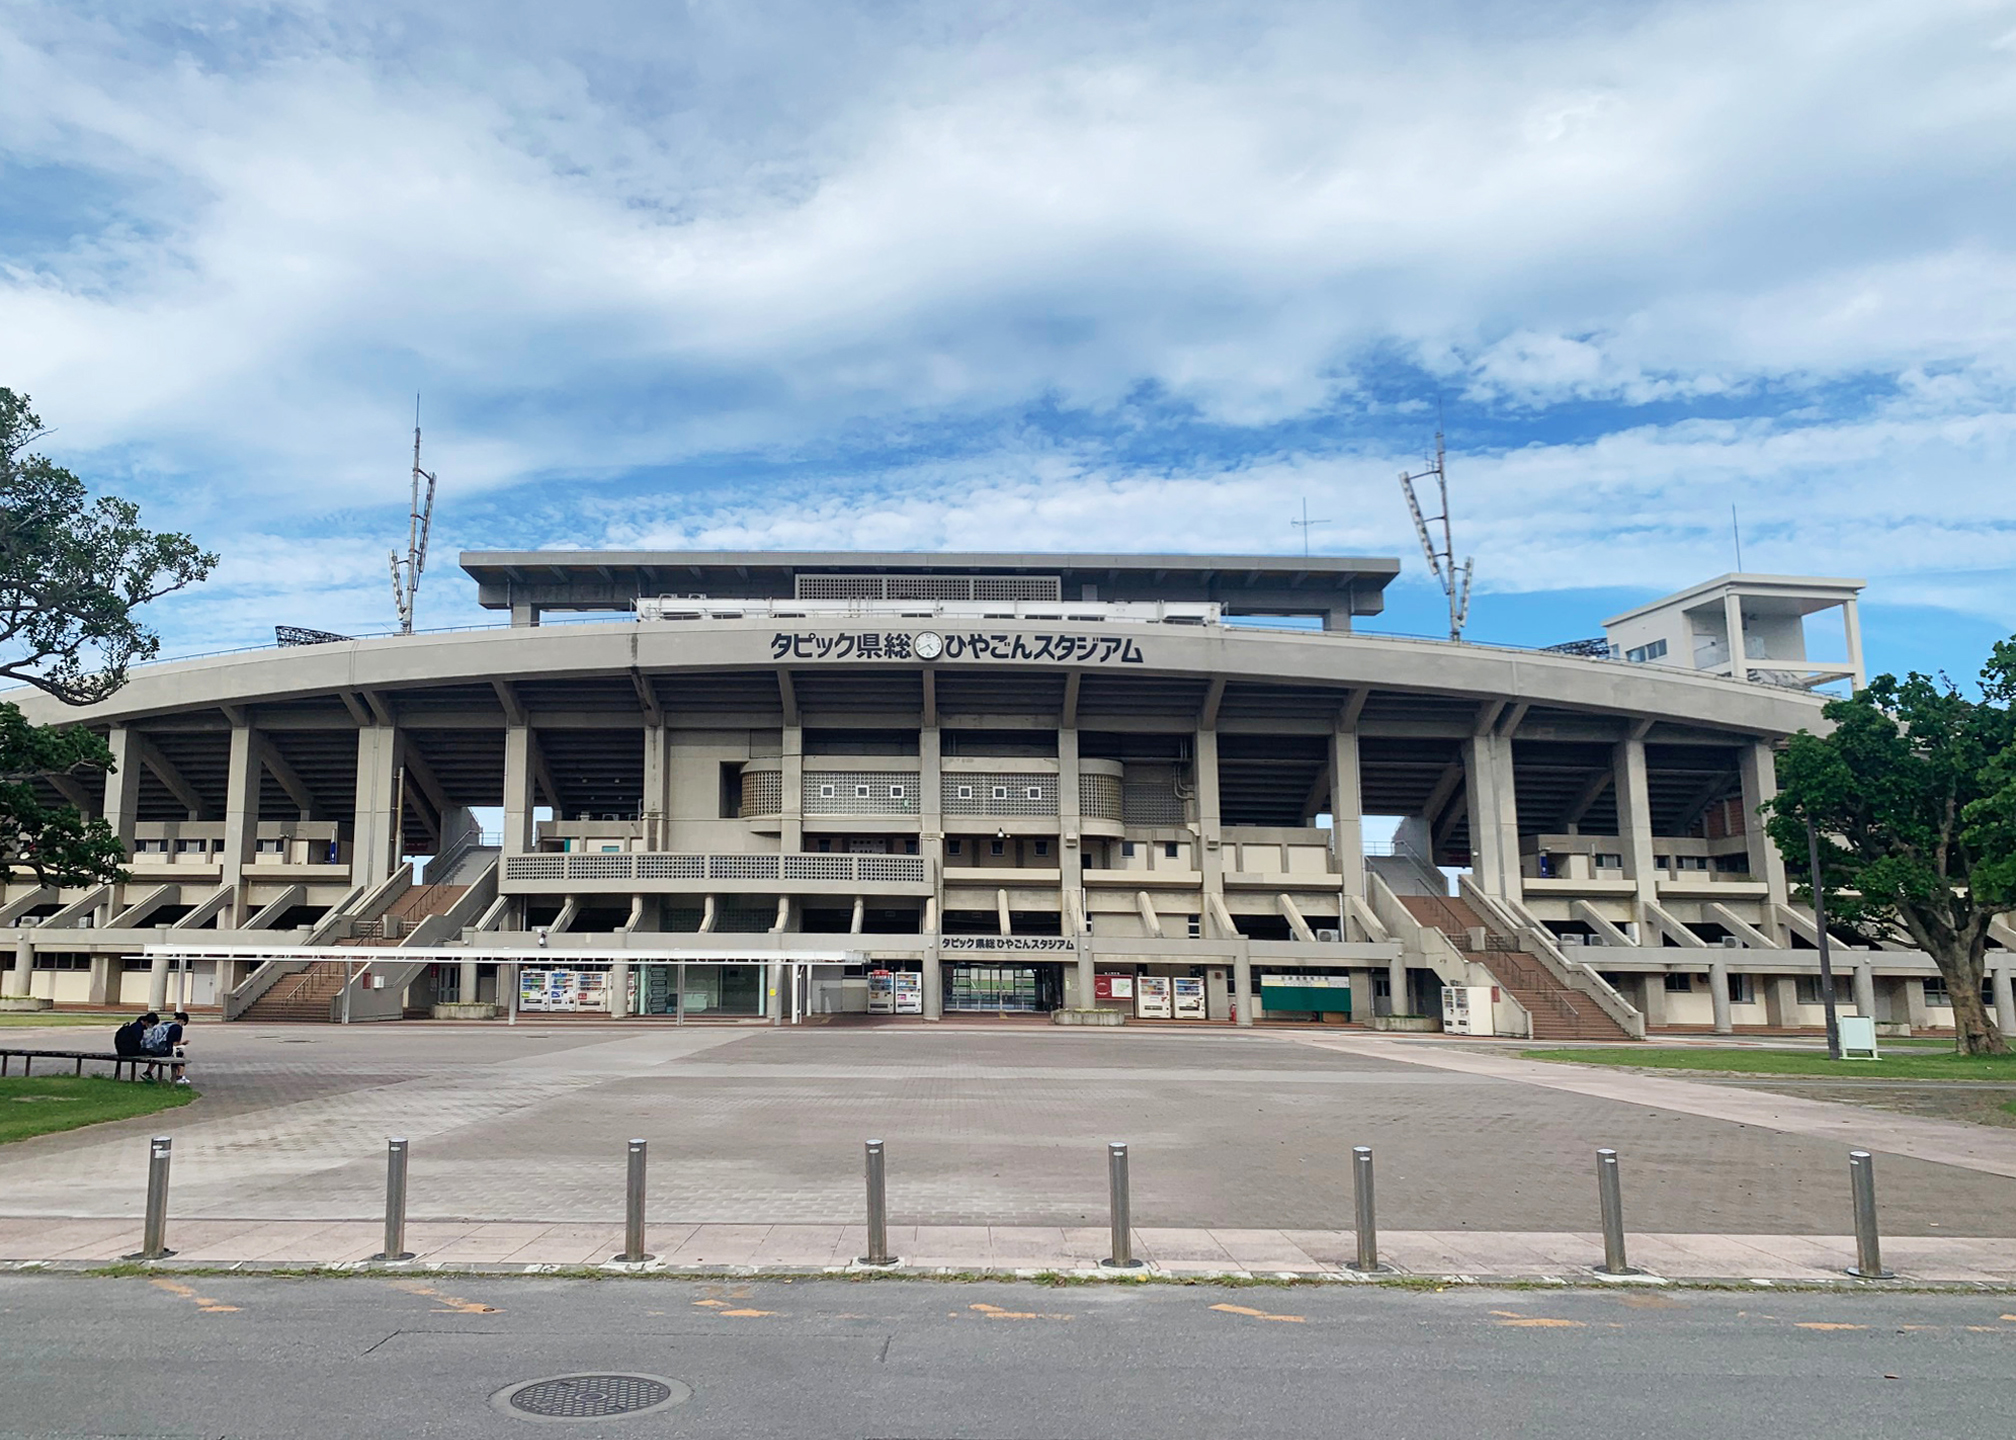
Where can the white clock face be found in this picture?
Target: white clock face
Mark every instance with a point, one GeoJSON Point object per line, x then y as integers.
{"type": "Point", "coordinates": [929, 645]}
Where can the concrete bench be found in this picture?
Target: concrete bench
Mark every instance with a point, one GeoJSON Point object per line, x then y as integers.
{"type": "Point", "coordinates": [112, 1058]}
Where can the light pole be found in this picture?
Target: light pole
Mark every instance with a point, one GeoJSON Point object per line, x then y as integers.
{"type": "Point", "coordinates": [1820, 936]}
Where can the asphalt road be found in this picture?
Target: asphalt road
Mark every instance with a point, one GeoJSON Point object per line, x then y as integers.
{"type": "Point", "coordinates": [907, 1360]}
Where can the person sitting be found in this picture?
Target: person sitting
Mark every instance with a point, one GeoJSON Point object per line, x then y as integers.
{"type": "Point", "coordinates": [128, 1039]}
{"type": "Point", "coordinates": [164, 1041]}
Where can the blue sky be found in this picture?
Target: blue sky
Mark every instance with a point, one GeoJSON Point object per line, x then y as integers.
{"type": "Point", "coordinates": [1034, 276]}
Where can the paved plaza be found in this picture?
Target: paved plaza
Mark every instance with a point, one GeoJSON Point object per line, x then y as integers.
{"type": "Point", "coordinates": [991, 1126]}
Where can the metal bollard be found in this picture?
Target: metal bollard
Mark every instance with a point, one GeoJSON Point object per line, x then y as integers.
{"type": "Point", "coordinates": [1122, 1257]}
{"type": "Point", "coordinates": [633, 1216]}
{"type": "Point", "coordinates": [1868, 1248]}
{"type": "Point", "coordinates": [154, 1234]}
{"type": "Point", "coordinates": [878, 1208]}
{"type": "Point", "coordinates": [1368, 1228]}
{"type": "Point", "coordinates": [395, 1203]}
{"type": "Point", "coordinates": [1610, 1198]}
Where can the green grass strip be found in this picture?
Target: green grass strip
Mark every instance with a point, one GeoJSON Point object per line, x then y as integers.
{"type": "Point", "coordinates": [35, 1019]}
{"type": "Point", "coordinates": [1895, 1065]}
{"type": "Point", "coordinates": [43, 1105]}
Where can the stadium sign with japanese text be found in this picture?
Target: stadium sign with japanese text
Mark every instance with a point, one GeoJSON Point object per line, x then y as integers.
{"type": "Point", "coordinates": [963, 645]}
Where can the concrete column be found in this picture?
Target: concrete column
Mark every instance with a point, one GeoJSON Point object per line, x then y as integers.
{"type": "Point", "coordinates": [244, 770]}
{"type": "Point", "coordinates": [122, 785]}
{"type": "Point", "coordinates": [931, 813]}
{"type": "Point", "coordinates": [157, 983]}
{"type": "Point", "coordinates": [2003, 987]}
{"type": "Point", "coordinates": [1718, 996]}
{"type": "Point", "coordinates": [1084, 976]}
{"type": "Point", "coordinates": [1652, 999]}
{"type": "Point", "coordinates": [793, 813]}
{"type": "Point", "coordinates": [520, 789]}
{"type": "Point", "coordinates": [1494, 818]}
{"type": "Point", "coordinates": [1396, 981]}
{"type": "Point", "coordinates": [657, 804]}
{"type": "Point", "coordinates": [1760, 783]}
{"type": "Point", "coordinates": [106, 973]}
{"type": "Point", "coordinates": [469, 983]}
{"type": "Point", "coordinates": [773, 980]}
{"type": "Point", "coordinates": [619, 990]}
{"type": "Point", "coordinates": [375, 849]}
{"type": "Point", "coordinates": [1634, 817]}
{"type": "Point", "coordinates": [21, 978]}
{"type": "Point", "coordinates": [1347, 813]}
{"type": "Point", "coordinates": [1210, 864]}
{"type": "Point", "coordinates": [1070, 864]}
{"type": "Point", "coordinates": [1915, 1008]}
{"type": "Point", "coordinates": [1242, 982]}
{"type": "Point", "coordinates": [1851, 626]}
{"type": "Point", "coordinates": [1361, 995]}
{"type": "Point", "coordinates": [1781, 1000]}
{"type": "Point", "coordinates": [1732, 616]}
{"type": "Point", "coordinates": [1865, 991]}
{"type": "Point", "coordinates": [934, 984]}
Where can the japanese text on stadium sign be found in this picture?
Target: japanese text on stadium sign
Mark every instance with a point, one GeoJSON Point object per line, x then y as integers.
{"type": "Point", "coordinates": [929, 645]}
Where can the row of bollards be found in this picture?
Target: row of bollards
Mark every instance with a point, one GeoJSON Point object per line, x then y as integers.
{"type": "Point", "coordinates": [1609, 1196]}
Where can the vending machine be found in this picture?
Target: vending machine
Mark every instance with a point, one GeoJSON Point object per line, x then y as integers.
{"type": "Point", "coordinates": [1151, 997]}
{"type": "Point", "coordinates": [881, 992]}
{"type": "Point", "coordinates": [1188, 995]}
{"type": "Point", "coordinates": [909, 992]}
{"type": "Point", "coordinates": [1466, 1010]}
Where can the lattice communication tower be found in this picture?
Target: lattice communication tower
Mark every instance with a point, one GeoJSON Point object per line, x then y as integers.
{"type": "Point", "coordinates": [419, 522]}
{"type": "Point", "coordinates": [1454, 580]}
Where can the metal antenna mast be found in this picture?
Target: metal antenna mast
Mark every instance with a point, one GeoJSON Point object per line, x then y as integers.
{"type": "Point", "coordinates": [419, 522]}
{"type": "Point", "coordinates": [1442, 565]}
{"type": "Point", "coordinates": [1304, 525]}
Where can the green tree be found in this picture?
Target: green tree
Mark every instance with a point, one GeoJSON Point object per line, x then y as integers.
{"type": "Point", "coordinates": [72, 571]}
{"type": "Point", "coordinates": [1903, 792]}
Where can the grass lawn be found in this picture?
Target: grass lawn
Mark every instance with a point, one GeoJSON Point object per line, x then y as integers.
{"type": "Point", "coordinates": [42, 1105]}
{"type": "Point", "coordinates": [29, 1018]}
{"type": "Point", "coordinates": [1914, 1064]}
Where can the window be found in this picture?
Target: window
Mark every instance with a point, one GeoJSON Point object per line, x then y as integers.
{"type": "Point", "coordinates": [611, 850]}
{"type": "Point", "coordinates": [1170, 849]}
{"type": "Point", "coordinates": [825, 844]}
{"type": "Point", "coordinates": [1679, 984]}
{"type": "Point", "coordinates": [955, 847]}
{"type": "Point", "coordinates": [1196, 927]}
{"type": "Point", "coordinates": [1732, 864]}
{"type": "Point", "coordinates": [964, 792]}
{"type": "Point", "coordinates": [997, 847]}
{"type": "Point", "coordinates": [1042, 847]}
{"type": "Point", "coordinates": [826, 792]}
{"type": "Point", "coordinates": [150, 847]}
{"type": "Point", "coordinates": [1126, 849]}
{"type": "Point", "coordinates": [191, 847]}
{"type": "Point", "coordinates": [1000, 792]}
{"type": "Point", "coordinates": [1936, 992]}
{"type": "Point", "coordinates": [897, 792]}
{"type": "Point", "coordinates": [1662, 862]}
{"type": "Point", "coordinates": [271, 847]}
{"type": "Point", "coordinates": [1609, 862]}
{"type": "Point", "coordinates": [1032, 792]}
{"type": "Point", "coordinates": [1742, 989]}
{"type": "Point", "coordinates": [62, 962]}
{"type": "Point", "coordinates": [910, 846]}
{"type": "Point", "coordinates": [1808, 987]}
{"type": "Point", "coordinates": [1643, 653]}
{"type": "Point", "coordinates": [1690, 862]}
{"type": "Point", "coordinates": [860, 792]}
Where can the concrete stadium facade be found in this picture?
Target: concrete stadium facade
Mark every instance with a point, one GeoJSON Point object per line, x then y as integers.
{"type": "Point", "coordinates": [769, 785]}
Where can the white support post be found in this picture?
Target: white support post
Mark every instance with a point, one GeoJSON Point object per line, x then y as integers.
{"type": "Point", "coordinates": [520, 789]}
{"type": "Point", "coordinates": [1494, 820]}
{"type": "Point", "coordinates": [242, 776]}
{"type": "Point", "coordinates": [1760, 783]}
{"type": "Point", "coordinates": [1347, 812]}
{"type": "Point", "coordinates": [1634, 818]}
{"type": "Point", "coordinates": [375, 848]}
{"type": "Point", "coordinates": [1732, 616]}
{"type": "Point", "coordinates": [1210, 864]}
{"type": "Point", "coordinates": [122, 785]}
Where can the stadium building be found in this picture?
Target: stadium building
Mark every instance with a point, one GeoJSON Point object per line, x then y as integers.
{"type": "Point", "coordinates": [690, 787]}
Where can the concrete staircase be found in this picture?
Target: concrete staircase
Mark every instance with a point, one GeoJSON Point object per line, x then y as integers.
{"type": "Point", "coordinates": [302, 996]}
{"type": "Point", "coordinates": [1558, 1012]}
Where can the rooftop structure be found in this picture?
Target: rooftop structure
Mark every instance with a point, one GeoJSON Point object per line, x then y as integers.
{"type": "Point", "coordinates": [1750, 627]}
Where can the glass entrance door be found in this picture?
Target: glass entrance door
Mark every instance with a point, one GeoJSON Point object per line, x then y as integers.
{"type": "Point", "coordinates": [1003, 989]}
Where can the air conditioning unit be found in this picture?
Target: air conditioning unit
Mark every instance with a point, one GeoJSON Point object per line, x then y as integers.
{"type": "Point", "coordinates": [1573, 939]}
{"type": "Point", "coordinates": [1332, 936]}
{"type": "Point", "coordinates": [1730, 942]}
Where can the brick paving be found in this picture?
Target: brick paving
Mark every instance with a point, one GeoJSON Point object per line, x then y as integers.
{"type": "Point", "coordinates": [986, 1127]}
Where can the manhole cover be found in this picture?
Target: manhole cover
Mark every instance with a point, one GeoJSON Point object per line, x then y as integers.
{"type": "Point", "coordinates": [589, 1397]}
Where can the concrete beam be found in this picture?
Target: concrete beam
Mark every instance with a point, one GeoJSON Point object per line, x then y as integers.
{"type": "Point", "coordinates": [184, 793]}
{"type": "Point", "coordinates": [289, 779]}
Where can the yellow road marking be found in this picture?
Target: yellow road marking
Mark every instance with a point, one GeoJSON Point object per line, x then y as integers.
{"type": "Point", "coordinates": [745, 1314]}
{"type": "Point", "coordinates": [450, 1304]}
{"type": "Point", "coordinates": [995, 1312]}
{"type": "Point", "coordinates": [202, 1302]}
{"type": "Point", "coordinates": [1541, 1322]}
{"type": "Point", "coordinates": [1825, 1325]}
{"type": "Point", "coordinates": [1260, 1314]}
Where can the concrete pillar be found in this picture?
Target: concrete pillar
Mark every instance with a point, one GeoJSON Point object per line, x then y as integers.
{"type": "Point", "coordinates": [122, 785]}
{"type": "Point", "coordinates": [1781, 1001]}
{"type": "Point", "coordinates": [1396, 982]}
{"type": "Point", "coordinates": [1634, 817]}
{"type": "Point", "coordinates": [656, 808]}
{"type": "Point", "coordinates": [1070, 864]}
{"type": "Point", "coordinates": [1652, 999]}
{"type": "Point", "coordinates": [1732, 616]}
{"type": "Point", "coordinates": [375, 851]}
{"type": "Point", "coordinates": [1494, 816]}
{"type": "Point", "coordinates": [2003, 987]}
{"type": "Point", "coordinates": [792, 816]}
{"type": "Point", "coordinates": [106, 973]}
{"type": "Point", "coordinates": [1915, 1009]}
{"type": "Point", "coordinates": [1084, 977]}
{"type": "Point", "coordinates": [934, 984]}
{"type": "Point", "coordinates": [520, 789]}
{"type": "Point", "coordinates": [1347, 813]}
{"type": "Point", "coordinates": [1851, 626]}
{"type": "Point", "coordinates": [773, 974]}
{"type": "Point", "coordinates": [619, 990]}
{"type": "Point", "coordinates": [1210, 864]}
{"type": "Point", "coordinates": [1760, 783]}
{"type": "Point", "coordinates": [1718, 996]}
{"type": "Point", "coordinates": [243, 772]}
{"type": "Point", "coordinates": [1242, 982]}
{"type": "Point", "coordinates": [468, 983]}
{"type": "Point", "coordinates": [157, 983]}
{"type": "Point", "coordinates": [1361, 995]}
{"type": "Point", "coordinates": [1865, 991]}
{"type": "Point", "coordinates": [21, 978]}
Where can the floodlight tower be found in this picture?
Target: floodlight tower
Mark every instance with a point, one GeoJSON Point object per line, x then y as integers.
{"type": "Point", "coordinates": [1455, 581]}
{"type": "Point", "coordinates": [419, 522]}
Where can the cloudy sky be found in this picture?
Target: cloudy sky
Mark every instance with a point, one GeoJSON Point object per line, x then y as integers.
{"type": "Point", "coordinates": [923, 276]}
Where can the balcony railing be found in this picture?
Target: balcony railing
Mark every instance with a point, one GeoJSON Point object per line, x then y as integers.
{"type": "Point", "coordinates": [861, 869]}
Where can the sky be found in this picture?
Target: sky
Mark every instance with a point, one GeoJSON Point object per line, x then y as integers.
{"type": "Point", "coordinates": [817, 274]}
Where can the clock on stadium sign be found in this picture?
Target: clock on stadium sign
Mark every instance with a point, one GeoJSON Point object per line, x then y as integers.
{"type": "Point", "coordinates": [960, 645]}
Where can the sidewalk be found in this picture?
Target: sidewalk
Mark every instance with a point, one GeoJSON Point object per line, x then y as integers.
{"type": "Point", "coordinates": [501, 1247]}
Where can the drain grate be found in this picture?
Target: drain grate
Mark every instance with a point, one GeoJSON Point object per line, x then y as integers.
{"type": "Point", "coordinates": [589, 1396]}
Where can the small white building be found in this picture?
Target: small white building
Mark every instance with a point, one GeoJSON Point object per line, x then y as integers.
{"type": "Point", "coordinates": [1749, 627]}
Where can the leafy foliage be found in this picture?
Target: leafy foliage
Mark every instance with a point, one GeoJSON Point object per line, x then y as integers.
{"type": "Point", "coordinates": [54, 842]}
{"type": "Point", "coordinates": [73, 569]}
{"type": "Point", "coordinates": [1907, 850]}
